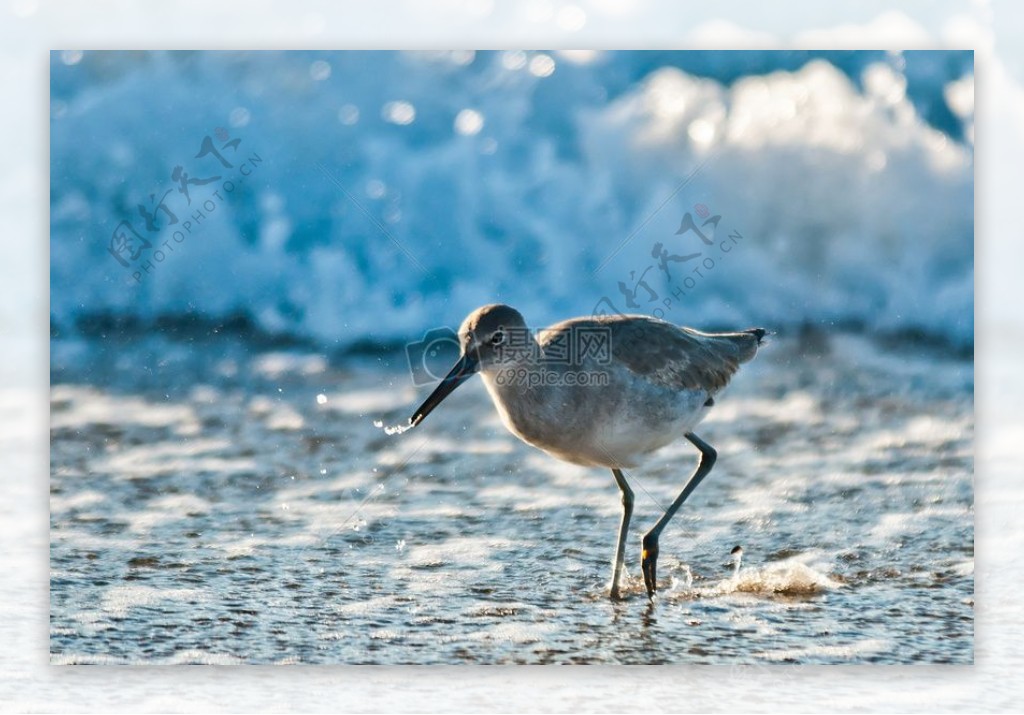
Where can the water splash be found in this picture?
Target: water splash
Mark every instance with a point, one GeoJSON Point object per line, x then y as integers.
{"type": "Point", "coordinates": [391, 429]}
{"type": "Point", "coordinates": [788, 579]}
{"type": "Point", "coordinates": [687, 580]}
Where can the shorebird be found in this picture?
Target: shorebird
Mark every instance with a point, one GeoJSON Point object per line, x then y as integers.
{"type": "Point", "coordinates": [600, 391]}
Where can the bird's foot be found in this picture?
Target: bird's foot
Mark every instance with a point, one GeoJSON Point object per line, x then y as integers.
{"type": "Point", "coordinates": [649, 564]}
{"type": "Point", "coordinates": [615, 591]}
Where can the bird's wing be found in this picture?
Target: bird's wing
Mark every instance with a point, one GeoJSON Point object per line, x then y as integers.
{"type": "Point", "coordinates": [666, 354]}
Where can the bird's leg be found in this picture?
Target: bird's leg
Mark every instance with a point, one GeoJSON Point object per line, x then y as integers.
{"type": "Point", "coordinates": [620, 546]}
{"type": "Point", "coordinates": [649, 554]}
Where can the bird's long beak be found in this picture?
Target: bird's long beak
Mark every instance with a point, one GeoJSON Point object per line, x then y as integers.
{"type": "Point", "coordinates": [463, 370]}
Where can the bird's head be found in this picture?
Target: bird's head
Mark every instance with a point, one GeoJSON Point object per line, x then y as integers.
{"type": "Point", "coordinates": [490, 336]}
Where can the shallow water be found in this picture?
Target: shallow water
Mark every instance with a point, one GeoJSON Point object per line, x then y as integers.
{"type": "Point", "coordinates": [216, 502]}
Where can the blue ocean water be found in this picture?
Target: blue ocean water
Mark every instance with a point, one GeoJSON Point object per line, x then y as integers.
{"type": "Point", "coordinates": [240, 243]}
{"type": "Point", "coordinates": [354, 198]}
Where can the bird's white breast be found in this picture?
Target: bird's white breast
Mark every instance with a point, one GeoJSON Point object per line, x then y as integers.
{"type": "Point", "coordinates": [616, 430]}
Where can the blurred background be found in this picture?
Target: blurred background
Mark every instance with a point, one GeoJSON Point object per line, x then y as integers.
{"type": "Point", "coordinates": [360, 198]}
{"type": "Point", "coordinates": [243, 241]}
{"type": "Point", "coordinates": [31, 29]}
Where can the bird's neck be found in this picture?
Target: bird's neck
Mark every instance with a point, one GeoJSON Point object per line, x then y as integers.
{"type": "Point", "coordinates": [519, 390]}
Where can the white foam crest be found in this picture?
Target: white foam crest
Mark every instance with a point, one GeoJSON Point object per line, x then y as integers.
{"type": "Point", "coordinates": [852, 207]}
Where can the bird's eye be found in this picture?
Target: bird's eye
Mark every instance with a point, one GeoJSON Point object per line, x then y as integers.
{"type": "Point", "coordinates": [498, 338]}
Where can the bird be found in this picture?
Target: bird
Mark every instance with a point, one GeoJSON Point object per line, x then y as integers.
{"type": "Point", "coordinates": [601, 391]}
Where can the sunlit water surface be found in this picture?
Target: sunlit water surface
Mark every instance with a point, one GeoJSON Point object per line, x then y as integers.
{"type": "Point", "coordinates": [214, 502]}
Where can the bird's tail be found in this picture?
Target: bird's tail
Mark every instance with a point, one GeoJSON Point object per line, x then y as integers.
{"type": "Point", "coordinates": [758, 333]}
{"type": "Point", "coordinates": [747, 342]}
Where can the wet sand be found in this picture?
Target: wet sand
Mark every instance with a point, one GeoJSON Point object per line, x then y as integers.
{"type": "Point", "coordinates": [213, 501]}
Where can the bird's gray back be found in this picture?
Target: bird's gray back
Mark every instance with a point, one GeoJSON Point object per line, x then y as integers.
{"type": "Point", "coordinates": [665, 354]}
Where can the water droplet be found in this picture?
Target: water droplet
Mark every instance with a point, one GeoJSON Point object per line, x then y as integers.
{"type": "Point", "coordinates": [469, 122]}
{"type": "Point", "coordinates": [399, 112]}
{"type": "Point", "coordinates": [542, 66]}
{"type": "Point", "coordinates": [348, 114]}
{"type": "Point", "coordinates": [320, 70]}
{"type": "Point", "coordinates": [513, 60]}
{"type": "Point", "coordinates": [391, 429]}
{"type": "Point", "coordinates": [239, 117]}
